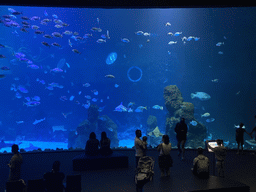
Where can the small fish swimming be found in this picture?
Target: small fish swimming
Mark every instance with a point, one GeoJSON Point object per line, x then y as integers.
{"type": "Point", "coordinates": [170, 33]}
{"type": "Point", "coordinates": [210, 120]}
{"type": "Point", "coordinates": [172, 42]}
{"type": "Point", "coordinates": [140, 109]}
{"type": "Point", "coordinates": [96, 29]}
{"type": "Point", "coordinates": [200, 95]}
{"type": "Point", "coordinates": [139, 33]}
{"type": "Point", "coordinates": [56, 70]}
{"type": "Point", "coordinates": [215, 80]}
{"type": "Point", "coordinates": [101, 41]}
{"type": "Point", "coordinates": [219, 44]}
{"type": "Point", "coordinates": [194, 123]}
{"type": "Point", "coordinates": [158, 107]}
{"type": "Point", "coordinates": [121, 108]}
{"type": "Point", "coordinates": [76, 51]}
{"type": "Point", "coordinates": [177, 34]}
{"type": "Point", "coordinates": [125, 40]}
{"type": "Point", "coordinates": [38, 121]}
{"type": "Point", "coordinates": [220, 53]}
{"type": "Point", "coordinates": [110, 76]}
{"type": "Point", "coordinates": [205, 115]}
{"type": "Point", "coordinates": [168, 24]}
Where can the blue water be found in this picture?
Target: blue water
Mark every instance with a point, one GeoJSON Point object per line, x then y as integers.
{"type": "Point", "coordinates": [191, 66]}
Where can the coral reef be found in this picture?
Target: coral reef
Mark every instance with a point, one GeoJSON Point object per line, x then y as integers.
{"type": "Point", "coordinates": [151, 123]}
{"type": "Point", "coordinates": [96, 124]}
{"type": "Point", "coordinates": [177, 109]}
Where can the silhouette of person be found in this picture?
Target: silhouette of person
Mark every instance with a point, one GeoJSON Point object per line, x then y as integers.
{"type": "Point", "coordinates": [181, 130]}
{"type": "Point", "coordinates": [240, 137]}
{"type": "Point", "coordinates": [144, 141]}
{"type": "Point", "coordinates": [139, 146]}
{"type": "Point", "coordinates": [201, 165]}
{"type": "Point", "coordinates": [54, 179]}
{"type": "Point", "coordinates": [105, 145]}
{"type": "Point", "coordinates": [92, 145]}
{"type": "Point", "coordinates": [15, 164]}
{"type": "Point", "coordinates": [165, 159]}
{"type": "Point", "coordinates": [220, 155]}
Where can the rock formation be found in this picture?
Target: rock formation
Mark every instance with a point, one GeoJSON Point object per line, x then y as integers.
{"type": "Point", "coordinates": [97, 124]}
{"type": "Point", "coordinates": [177, 108]}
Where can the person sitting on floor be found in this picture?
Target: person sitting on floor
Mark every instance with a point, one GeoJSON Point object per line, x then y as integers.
{"type": "Point", "coordinates": [105, 145]}
{"type": "Point", "coordinates": [54, 179]}
{"type": "Point", "coordinates": [201, 165]}
{"type": "Point", "coordinates": [92, 145]}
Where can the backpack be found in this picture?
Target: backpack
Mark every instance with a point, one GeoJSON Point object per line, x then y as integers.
{"type": "Point", "coordinates": [202, 165]}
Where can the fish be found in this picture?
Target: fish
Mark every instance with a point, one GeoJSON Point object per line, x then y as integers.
{"type": "Point", "coordinates": [31, 103]}
{"type": "Point", "coordinates": [46, 44]}
{"type": "Point", "coordinates": [146, 34]}
{"type": "Point", "coordinates": [38, 121]}
{"type": "Point", "coordinates": [58, 26]}
{"type": "Point", "coordinates": [45, 13]}
{"type": "Point", "coordinates": [215, 80]}
{"type": "Point", "coordinates": [19, 122]}
{"type": "Point", "coordinates": [205, 115]}
{"type": "Point", "coordinates": [76, 51]}
{"type": "Point", "coordinates": [139, 33]}
{"type": "Point", "coordinates": [22, 89]}
{"type": "Point", "coordinates": [196, 38]}
{"type": "Point", "coordinates": [47, 36]}
{"type": "Point", "coordinates": [2, 76]}
{"type": "Point", "coordinates": [101, 41]}
{"type": "Point", "coordinates": [36, 98]}
{"type": "Point", "coordinates": [219, 44]}
{"type": "Point", "coordinates": [63, 98]}
{"type": "Point", "coordinates": [98, 21]}
{"type": "Point", "coordinates": [170, 33]}
{"type": "Point", "coordinates": [194, 123]}
{"type": "Point", "coordinates": [2, 46]}
{"type": "Point", "coordinates": [87, 35]}
{"type": "Point", "coordinates": [86, 85]}
{"type": "Point", "coordinates": [95, 92]}
{"type": "Point", "coordinates": [140, 109]}
{"type": "Point", "coordinates": [11, 10]}
{"type": "Point", "coordinates": [67, 32]}
{"type": "Point", "coordinates": [38, 32]}
{"type": "Point", "coordinates": [130, 104]}
{"type": "Point", "coordinates": [69, 42]}
{"type": "Point", "coordinates": [121, 108]}
{"type": "Point", "coordinates": [4, 68]}
{"type": "Point", "coordinates": [96, 29]}
{"type": "Point", "coordinates": [35, 27]}
{"type": "Point", "coordinates": [168, 24]}
{"type": "Point", "coordinates": [57, 34]}
{"type": "Point", "coordinates": [200, 95]}
{"type": "Point", "coordinates": [17, 13]}
{"type": "Point", "coordinates": [172, 42]}
{"type": "Point", "coordinates": [87, 96]}
{"type": "Point", "coordinates": [66, 114]}
{"type": "Point", "coordinates": [94, 99]}
{"type": "Point", "coordinates": [116, 85]}
{"type": "Point", "coordinates": [71, 98]}
{"type": "Point", "coordinates": [24, 30]}
{"type": "Point", "coordinates": [110, 76]}
{"type": "Point", "coordinates": [68, 65]}
{"type": "Point", "coordinates": [2, 56]}
{"type": "Point", "coordinates": [56, 44]}
{"type": "Point", "coordinates": [56, 70]}
{"type": "Point", "coordinates": [210, 120]}
{"type": "Point", "coordinates": [55, 16]}
{"type": "Point", "coordinates": [220, 53]}
{"type": "Point", "coordinates": [158, 107]}
{"type": "Point", "coordinates": [34, 18]}
{"type": "Point", "coordinates": [125, 40]}
{"type": "Point", "coordinates": [33, 66]}
{"type": "Point", "coordinates": [130, 110]}
{"type": "Point", "coordinates": [177, 34]}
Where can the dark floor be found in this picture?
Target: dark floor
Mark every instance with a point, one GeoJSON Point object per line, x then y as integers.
{"type": "Point", "coordinates": [240, 168]}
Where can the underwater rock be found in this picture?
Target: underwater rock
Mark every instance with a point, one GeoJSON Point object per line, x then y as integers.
{"type": "Point", "coordinates": [177, 109]}
{"type": "Point", "coordinates": [152, 123]}
{"type": "Point", "coordinates": [173, 98]}
{"type": "Point", "coordinates": [106, 124]}
{"type": "Point", "coordinates": [93, 113]}
{"type": "Point", "coordinates": [155, 137]}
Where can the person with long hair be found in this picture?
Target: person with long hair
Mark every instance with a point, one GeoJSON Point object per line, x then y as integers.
{"type": "Point", "coordinates": [105, 145]}
{"type": "Point", "coordinates": [165, 159]}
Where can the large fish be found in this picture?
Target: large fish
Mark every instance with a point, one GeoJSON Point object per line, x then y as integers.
{"type": "Point", "coordinates": [200, 95]}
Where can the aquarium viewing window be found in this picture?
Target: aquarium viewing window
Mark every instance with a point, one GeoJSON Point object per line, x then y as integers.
{"type": "Point", "coordinates": [67, 72]}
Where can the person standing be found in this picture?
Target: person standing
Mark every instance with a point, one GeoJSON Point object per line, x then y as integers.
{"type": "Point", "coordinates": [140, 146]}
{"type": "Point", "coordinates": [165, 159]}
{"type": "Point", "coordinates": [240, 137]}
{"type": "Point", "coordinates": [181, 130]}
{"type": "Point", "coordinates": [15, 164]}
{"type": "Point", "coordinates": [220, 155]}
